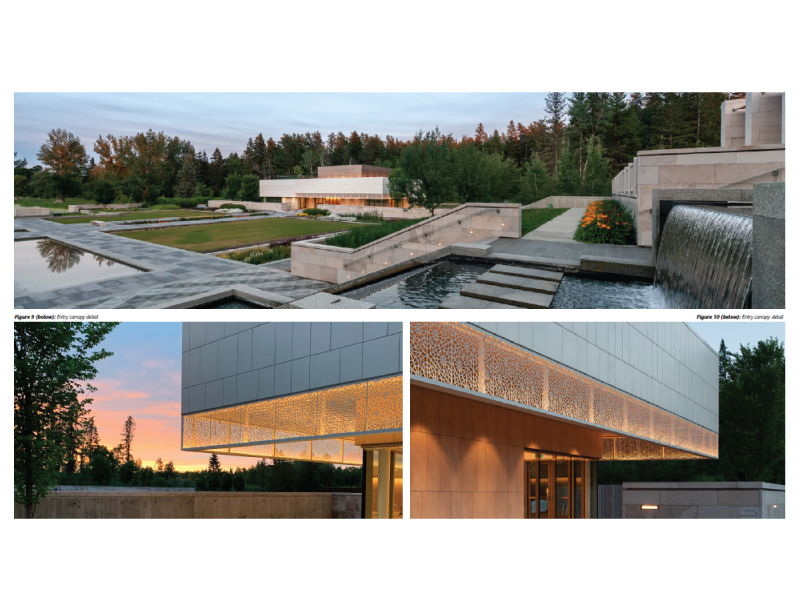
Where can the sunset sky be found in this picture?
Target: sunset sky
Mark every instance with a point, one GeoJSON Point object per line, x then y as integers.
{"type": "Point", "coordinates": [143, 379]}
{"type": "Point", "coordinates": [227, 120]}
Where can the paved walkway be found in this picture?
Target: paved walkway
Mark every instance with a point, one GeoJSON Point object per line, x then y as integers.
{"type": "Point", "coordinates": [169, 274]}
{"type": "Point", "coordinates": [564, 254]}
{"type": "Point", "coordinates": [561, 228]}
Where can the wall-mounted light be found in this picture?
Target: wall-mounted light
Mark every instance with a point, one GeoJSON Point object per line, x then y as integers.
{"type": "Point", "coordinates": [649, 507]}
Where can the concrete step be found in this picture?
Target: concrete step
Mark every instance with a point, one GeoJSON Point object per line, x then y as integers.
{"type": "Point", "coordinates": [527, 272]}
{"type": "Point", "coordinates": [457, 302]}
{"type": "Point", "coordinates": [494, 293]}
{"type": "Point", "coordinates": [519, 283]}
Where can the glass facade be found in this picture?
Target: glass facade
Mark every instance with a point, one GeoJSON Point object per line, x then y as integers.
{"type": "Point", "coordinates": [555, 486]}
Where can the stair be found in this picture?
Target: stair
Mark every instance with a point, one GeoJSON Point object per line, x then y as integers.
{"type": "Point", "coordinates": [505, 286]}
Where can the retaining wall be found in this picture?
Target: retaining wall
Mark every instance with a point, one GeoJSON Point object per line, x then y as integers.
{"type": "Point", "coordinates": [189, 505]}
{"type": "Point", "coordinates": [704, 500]}
{"type": "Point", "coordinates": [565, 202]}
{"type": "Point", "coordinates": [31, 211]}
{"type": "Point", "coordinates": [469, 223]}
{"type": "Point", "coordinates": [276, 206]}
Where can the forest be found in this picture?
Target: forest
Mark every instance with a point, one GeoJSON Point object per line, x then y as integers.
{"type": "Point", "coordinates": [582, 141]}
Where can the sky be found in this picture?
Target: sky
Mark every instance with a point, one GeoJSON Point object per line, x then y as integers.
{"type": "Point", "coordinates": [227, 120]}
{"type": "Point", "coordinates": [143, 380]}
{"type": "Point", "coordinates": [738, 334]}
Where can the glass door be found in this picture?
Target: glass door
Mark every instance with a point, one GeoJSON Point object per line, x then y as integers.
{"type": "Point", "coordinates": [555, 486]}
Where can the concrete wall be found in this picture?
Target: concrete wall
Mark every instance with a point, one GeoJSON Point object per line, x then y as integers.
{"type": "Point", "coordinates": [665, 364]}
{"type": "Point", "coordinates": [706, 500]}
{"type": "Point", "coordinates": [467, 456]}
{"type": "Point", "coordinates": [769, 245]}
{"type": "Point", "coordinates": [565, 202]}
{"type": "Point", "coordinates": [764, 118]}
{"type": "Point", "coordinates": [346, 506]}
{"type": "Point", "coordinates": [231, 363]}
{"type": "Point", "coordinates": [191, 505]}
{"type": "Point", "coordinates": [320, 188]}
{"type": "Point", "coordinates": [276, 206]}
{"type": "Point", "coordinates": [469, 223]}
{"type": "Point", "coordinates": [732, 123]}
{"type": "Point", "coordinates": [33, 211]}
{"type": "Point", "coordinates": [702, 168]}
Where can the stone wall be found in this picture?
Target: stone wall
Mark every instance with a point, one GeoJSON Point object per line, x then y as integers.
{"type": "Point", "coordinates": [468, 223]}
{"type": "Point", "coordinates": [32, 211]}
{"type": "Point", "coordinates": [704, 500]}
{"type": "Point", "coordinates": [565, 202]}
{"type": "Point", "coordinates": [346, 506]}
{"type": "Point", "coordinates": [276, 206]}
{"type": "Point", "coordinates": [186, 505]}
{"type": "Point", "coordinates": [769, 245]}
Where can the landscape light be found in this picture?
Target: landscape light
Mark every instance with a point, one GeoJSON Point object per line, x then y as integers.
{"type": "Point", "coordinates": [649, 507]}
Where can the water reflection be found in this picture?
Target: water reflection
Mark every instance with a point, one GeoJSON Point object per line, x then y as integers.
{"type": "Point", "coordinates": [580, 292]}
{"type": "Point", "coordinates": [45, 264]}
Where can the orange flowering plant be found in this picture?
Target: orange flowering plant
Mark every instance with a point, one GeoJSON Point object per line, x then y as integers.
{"type": "Point", "coordinates": [606, 222]}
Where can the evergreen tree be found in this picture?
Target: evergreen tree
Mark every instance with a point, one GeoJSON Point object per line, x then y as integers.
{"type": "Point", "coordinates": [568, 179]}
{"type": "Point", "coordinates": [597, 175]}
{"type": "Point", "coordinates": [724, 361]}
{"type": "Point", "coordinates": [127, 437]}
{"type": "Point", "coordinates": [213, 463]}
{"type": "Point", "coordinates": [536, 183]}
{"type": "Point", "coordinates": [187, 177]}
{"type": "Point", "coordinates": [555, 109]}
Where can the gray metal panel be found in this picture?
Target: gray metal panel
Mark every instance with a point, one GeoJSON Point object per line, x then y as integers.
{"type": "Point", "coordinates": [375, 330]}
{"type": "Point", "coordinates": [246, 387]}
{"type": "Point", "coordinates": [231, 329]}
{"type": "Point", "coordinates": [214, 331]}
{"type": "Point", "coordinates": [185, 347]}
{"type": "Point", "coordinates": [325, 369]}
{"type": "Point", "coordinates": [197, 335]}
{"type": "Point", "coordinates": [227, 357]}
{"type": "Point", "coordinates": [197, 397]}
{"type": "Point", "coordinates": [320, 337]}
{"type": "Point", "coordinates": [194, 367]}
{"type": "Point", "coordinates": [244, 343]}
{"type": "Point", "coordinates": [351, 363]}
{"type": "Point", "coordinates": [300, 374]}
{"type": "Point", "coordinates": [266, 382]}
{"type": "Point", "coordinates": [381, 356]}
{"type": "Point", "coordinates": [301, 340]}
{"type": "Point", "coordinates": [283, 379]}
{"type": "Point", "coordinates": [264, 346]}
{"type": "Point", "coordinates": [184, 370]}
{"type": "Point", "coordinates": [395, 328]}
{"type": "Point", "coordinates": [184, 400]}
{"type": "Point", "coordinates": [214, 394]}
{"type": "Point", "coordinates": [510, 331]}
{"type": "Point", "coordinates": [570, 349]}
{"type": "Point", "coordinates": [208, 362]}
{"type": "Point", "coordinates": [229, 395]}
{"type": "Point", "coordinates": [346, 334]}
{"type": "Point", "coordinates": [283, 342]}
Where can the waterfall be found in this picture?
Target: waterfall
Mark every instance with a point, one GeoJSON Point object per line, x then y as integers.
{"type": "Point", "coordinates": [705, 258]}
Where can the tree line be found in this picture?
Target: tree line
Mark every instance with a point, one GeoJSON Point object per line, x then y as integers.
{"type": "Point", "coordinates": [752, 425]}
{"type": "Point", "coordinates": [576, 148]}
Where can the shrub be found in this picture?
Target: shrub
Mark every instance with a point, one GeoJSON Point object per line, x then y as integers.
{"type": "Point", "coordinates": [231, 205]}
{"type": "Point", "coordinates": [259, 256]}
{"type": "Point", "coordinates": [606, 222]}
{"type": "Point", "coordinates": [233, 183]}
{"type": "Point", "coordinates": [365, 217]}
{"type": "Point", "coordinates": [164, 207]}
{"type": "Point", "coordinates": [316, 212]}
{"type": "Point", "coordinates": [355, 238]}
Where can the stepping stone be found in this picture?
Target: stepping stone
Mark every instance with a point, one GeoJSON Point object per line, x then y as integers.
{"type": "Point", "coordinates": [519, 283]}
{"type": "Point", "coordinates": [457, 302]}
{"type": "Point", "coordinates": [503, 295]}
{"type": "Point", "coordinates": [527, 272]}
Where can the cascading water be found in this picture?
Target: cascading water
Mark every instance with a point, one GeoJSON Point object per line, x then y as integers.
{"type": "Point", "coordinates": [705, 258]}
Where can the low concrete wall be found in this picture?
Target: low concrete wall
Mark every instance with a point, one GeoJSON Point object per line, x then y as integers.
{"type": "Point", "coordinates": [276, 206]}
{"type": "Point", "coordinates": [187, 505]}
{"type": "Point", "coordinates": [565, 202]}
{"type": "Point", "coordinates": [76, 208]}
{"type": "Point", "coordinates": [701, 500]}
{"type": "Point", "coordinates": [769, 245]}
{"type": "Point", "coordinates": [469, 223]}
{"type": "Point", "coordinates": [31, 211]}
{"type": "Point", "coordinates": [388, 213]}
{"type": "Point", "coordinates": [346, 505]}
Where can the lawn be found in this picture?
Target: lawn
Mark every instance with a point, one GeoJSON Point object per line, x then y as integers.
{"type": "Point", "coordinates": [533, 218]}
{"type": "Point", "coordinates": [138, 215]}
{"type": "Point", "coordinates": [212, 237]}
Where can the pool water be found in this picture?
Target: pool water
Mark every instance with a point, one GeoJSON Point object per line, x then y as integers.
{"type": "Point", "coordinates": [424, 287]}
{"type": "Point", "coordinates": [231, 304]}
{"type": "Point", "coordinates": [44, 264]}
{"type": "Point", "coordinates": [583, 292]}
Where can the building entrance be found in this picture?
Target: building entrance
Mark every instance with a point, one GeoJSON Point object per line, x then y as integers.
{"type": "Point", "coordinates": [557, 486]}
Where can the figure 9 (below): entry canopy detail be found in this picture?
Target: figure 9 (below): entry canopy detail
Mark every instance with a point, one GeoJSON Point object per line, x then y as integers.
{"type": "Point", "coordinates": [318, 426]}
{"type": "Point", "coordinates": [468, 359]}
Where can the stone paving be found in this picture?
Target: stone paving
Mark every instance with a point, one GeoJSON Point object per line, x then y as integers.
{"type": "Point", "coordinates": [564, 253]}
{"type": "Point", "coordinates": [169, 274]}
{"type": "Point", "coordinates": [562, 228]}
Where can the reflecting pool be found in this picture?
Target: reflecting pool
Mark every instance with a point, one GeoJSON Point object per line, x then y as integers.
{"type": "Point", "coordinates": [44, 264]}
